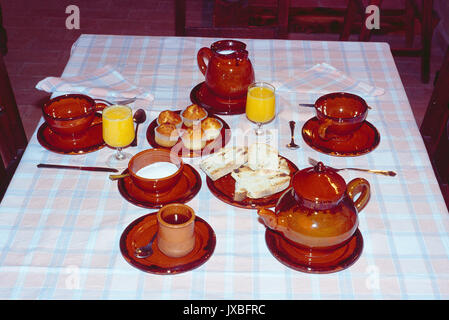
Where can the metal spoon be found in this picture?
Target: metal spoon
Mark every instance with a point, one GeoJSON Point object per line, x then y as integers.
{"type": "Point", "coordinates": [145, 251]}
{"type": "Point", "coordinates": [312, 105]}
{"type": "Point", "coordinates": [121, 102]}
{"type": "Point", "coordinates": [314, 162]}
{"type": "Point", "coordinates": [114, 177]}
{"type": "Point", "coordinates": [139, 117]}
{"type": "Point", "coordinates": [292, 145]}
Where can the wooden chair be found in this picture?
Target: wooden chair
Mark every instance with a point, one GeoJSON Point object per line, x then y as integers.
{"type": "Point", "coordinates": [237, 19]}
{"type": "Point", "coordinates": [399, 19]}
{"type": "Point", "coordinates": [435, 128]}
{"type": "Point", "coordinates": [13, 139]}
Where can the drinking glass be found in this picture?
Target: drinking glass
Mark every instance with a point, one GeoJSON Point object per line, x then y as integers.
{"type": "Point", "coordinates": [260, 104]}
{"type": "Point", "coordinates": [118, 133]}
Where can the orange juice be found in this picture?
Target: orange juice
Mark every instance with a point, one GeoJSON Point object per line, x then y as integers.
{"type": "Point", "coordinates": [118, 127]}
{"type": "Point", "coordinates": [260, 103]}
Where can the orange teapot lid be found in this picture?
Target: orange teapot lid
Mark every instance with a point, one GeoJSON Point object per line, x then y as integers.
{"type": "Point", "coordinates": [318, 187]}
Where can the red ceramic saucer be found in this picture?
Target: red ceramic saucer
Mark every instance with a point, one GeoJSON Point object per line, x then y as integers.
{"type": "Point", "coordinates": [362, 141]}
{"type": "Point", "coordinates": [187, 187]}
{"type": "Point", "coordinates": [141, 230]}
{"type": "Point", "coordinates": [224, 188]}
{"type": "Point", "coordinates": [211, 145]}
{"type": "Point", "coordinates": [314, 261]}
{"type": "Point", "coordinates": [91, 141]}
{"type": "Point", "coordinates": [202, 96]}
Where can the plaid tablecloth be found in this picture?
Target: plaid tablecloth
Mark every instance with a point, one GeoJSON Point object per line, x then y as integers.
{"type": "Point", "coordinates": [60, 229]}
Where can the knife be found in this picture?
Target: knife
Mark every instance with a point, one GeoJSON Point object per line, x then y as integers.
{"type": "Point", "coordinates": [46, 165]}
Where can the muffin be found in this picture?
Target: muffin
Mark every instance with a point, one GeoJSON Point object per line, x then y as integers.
{"type": "Point", "coordinates": [193, 138]}
{"type": "Point", "coordinates": [171, 117]}
{"type": "Point", "coordinates": [193, 115]}
{"type": "Point", "coordinates": [166, 135]}
{"type": "Point", "coordinates": [211, 128]}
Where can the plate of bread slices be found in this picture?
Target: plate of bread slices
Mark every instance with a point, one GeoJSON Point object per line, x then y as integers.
{"type": "Point", "coordinates": [191, 132]}
{"type": "Point", "coordinates": [248, 177]}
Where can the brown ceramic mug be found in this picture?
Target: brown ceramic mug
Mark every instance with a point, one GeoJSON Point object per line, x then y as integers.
{"type": "Point", "coordinates": [70, 114]}
{"type": "Point", "coordinates": [339, 115]}
{"type": "Point", "coordinates": [176, 237]}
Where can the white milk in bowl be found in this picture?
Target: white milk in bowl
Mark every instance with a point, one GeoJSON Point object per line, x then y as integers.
{"type": "Point", "coordinates": [157, 170]}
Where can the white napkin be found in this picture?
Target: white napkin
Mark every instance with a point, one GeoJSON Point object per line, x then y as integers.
{"type": "Point", "coordinates": [323, 78]}
{"type": "Point", "coordinates": [104, 83]}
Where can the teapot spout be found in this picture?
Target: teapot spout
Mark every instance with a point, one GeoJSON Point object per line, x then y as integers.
{"type": "Point", "coordinates": [270, 219]}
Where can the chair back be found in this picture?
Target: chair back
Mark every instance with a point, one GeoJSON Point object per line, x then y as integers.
{"type": "Point", "coordinates": [13, 139]}
{"type": "Point", "coordinates": [435, 125]}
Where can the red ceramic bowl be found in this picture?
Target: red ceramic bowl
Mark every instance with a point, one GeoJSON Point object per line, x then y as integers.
{"type": "Point", "coordinates": [152, 156]}
{"type": "Point", "coordinates": [342, 113]}
{"type": "Point", "coordinates": [70, 114]}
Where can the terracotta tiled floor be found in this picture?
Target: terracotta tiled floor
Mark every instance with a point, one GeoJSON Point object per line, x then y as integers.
{"type": "Point", "coordinates": [39, 43]}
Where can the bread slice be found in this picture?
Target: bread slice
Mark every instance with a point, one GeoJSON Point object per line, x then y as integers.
{"type": "Point", "coordinates": [224, 161]}
{"type": "Point", "coordinates": [260, 183]}
{"type": "Point", "coordinates": [262, 156]}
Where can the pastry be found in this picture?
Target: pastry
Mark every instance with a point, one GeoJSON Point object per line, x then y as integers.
{"type": "Point", "coordinates": [224, 161]}
{"type": "Point", "coordinates": [193, 115]}
{"type": "Point", "coordinates": [166, 135]}
{"type": "Point", "coordinates": [171, 117]}
{"type": "Point", "coordinates": [193, 138]}
{"type": "Point", "coordinates": [211, 127]}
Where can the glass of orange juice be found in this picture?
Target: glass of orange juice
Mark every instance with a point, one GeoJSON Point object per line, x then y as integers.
{"type": "Point", "coordinates": [260, 104]}
{"type": "Point", "coordinates": [118, 133]}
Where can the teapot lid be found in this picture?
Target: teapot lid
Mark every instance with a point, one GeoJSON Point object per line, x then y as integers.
{"type": "Point", "coordinates": [319, 187]}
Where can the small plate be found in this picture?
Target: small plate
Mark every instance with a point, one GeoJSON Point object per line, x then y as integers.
{"type": "Point", "coordinates": [224, 188]}
{"type": "Point", "coordinates": [211, 145]}
{"type": "Point", "coordinates": [187, 187]}
{"type": "Point", "coordinates": [314, 261]}
{"type": "Point", "coordinates": [202, 96]}
{"type": "Point", "coordinates": [362, 141]}
{"type": "Point", "coordinates": [91, 141]}
{"type": "Point", "coordinates": [141, 230]}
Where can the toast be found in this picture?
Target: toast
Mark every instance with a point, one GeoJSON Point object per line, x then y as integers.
{"type": "Point", "coordinates": [260, 183]}
{"type": "Point", "coordinates": [224, 161]}
{"type": "Point", "coordinates": [262, 156]}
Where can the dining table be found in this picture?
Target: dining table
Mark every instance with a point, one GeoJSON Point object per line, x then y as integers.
{"type": "Point", "coordinates": [60, 230]}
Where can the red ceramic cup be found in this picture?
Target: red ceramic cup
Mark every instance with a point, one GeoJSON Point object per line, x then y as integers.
{"type": "Point", "coordinates": [340, 114]}
{"type": "Point", "coordinates": [155, 156]}
{"type": "Point", "coordinates": [70, 114]}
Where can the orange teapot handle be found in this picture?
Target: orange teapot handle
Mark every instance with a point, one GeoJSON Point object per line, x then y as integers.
{"type": "Point", "coordinates": [203, 53]}
{"type": "Point", "coordinates": [356, 186]}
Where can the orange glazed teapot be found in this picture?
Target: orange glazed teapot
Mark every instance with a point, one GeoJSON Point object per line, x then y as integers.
{"type": "Point", "coordinates": [319, 211]}
{"type": "Point", "coordinates": [229, 71]}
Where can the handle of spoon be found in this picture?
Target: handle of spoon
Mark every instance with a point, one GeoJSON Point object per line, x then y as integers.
{"type": "Point", "coordinates": [114, 177]}
{"type": "Point", "coordinates": [383, 172]}
{"type": "Point", "coordinates": [134, 143]}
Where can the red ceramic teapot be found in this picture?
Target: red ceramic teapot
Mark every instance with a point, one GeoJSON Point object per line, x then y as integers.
{"type": "Point", "coordinates": [229, 71]}
{"type": "Point", "coordinates": [319, 211]}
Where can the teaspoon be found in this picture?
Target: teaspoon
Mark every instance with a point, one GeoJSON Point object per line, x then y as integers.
{"type": "Point", "coordinates": [114, 177]}
{"type": "Point", "coordinates": [139, 117]}
{"type": "Point", "coordinates": [145, 251]}
{"type": "Point", "coordinates": [314, 162]}
{"type": "Point", "coordinates": [292, 145]}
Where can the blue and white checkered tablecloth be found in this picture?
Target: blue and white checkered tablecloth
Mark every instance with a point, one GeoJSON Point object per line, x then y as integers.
{"type": "Point", "coordinates": [60, 229]}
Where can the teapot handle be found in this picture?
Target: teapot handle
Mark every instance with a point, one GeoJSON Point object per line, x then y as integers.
{"type": "Point", "coordinates": [203, 53]}
{"type": "Point", "coordinates": [356, 186]}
